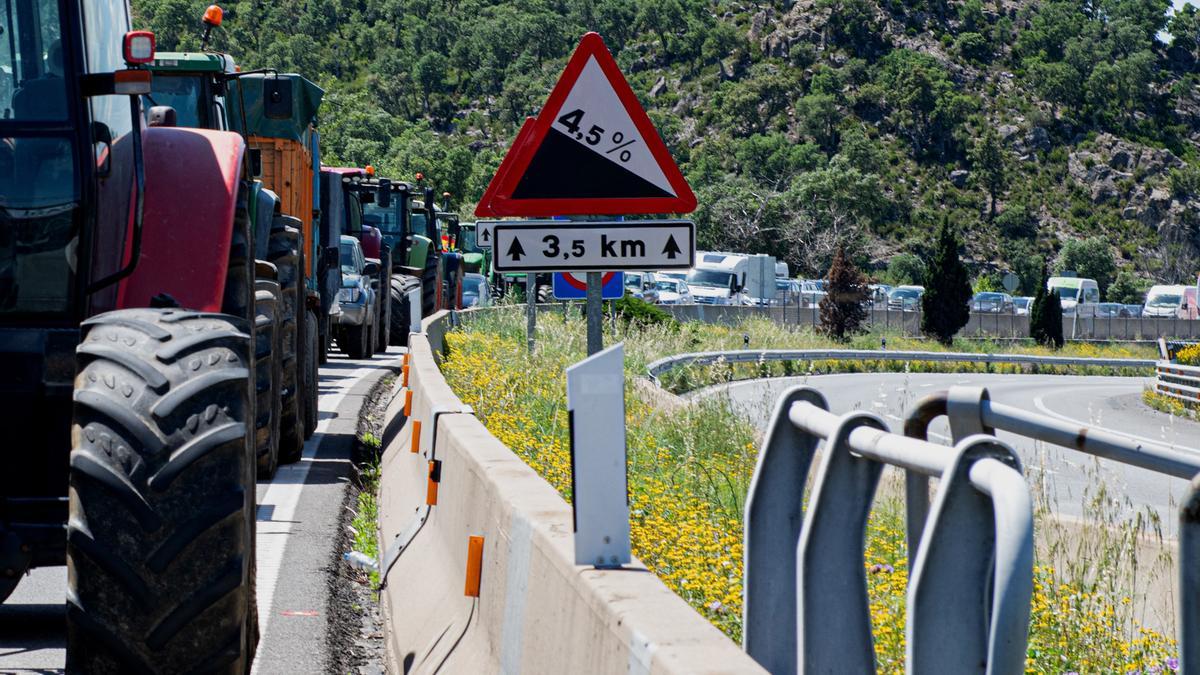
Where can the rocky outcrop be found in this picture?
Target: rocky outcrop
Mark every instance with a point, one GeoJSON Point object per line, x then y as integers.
{"type": "Point", "coordinates": [1135, 178]}
{"type": "Point", "coordinates": [1110, 167]}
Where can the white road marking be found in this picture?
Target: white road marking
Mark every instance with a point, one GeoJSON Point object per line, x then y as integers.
{"type": "Point", "coordinates": [1040, 404]}
{"type": "Point", "coordinates": [282, 497]}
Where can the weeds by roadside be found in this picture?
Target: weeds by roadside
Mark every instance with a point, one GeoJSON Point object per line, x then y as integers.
{"type": "Point", "coordinates": [365, 524]}
{"type": "Point", "coordinates": [1169, 405]}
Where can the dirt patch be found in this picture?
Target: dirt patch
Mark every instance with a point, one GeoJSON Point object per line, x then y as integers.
{"type": "Point", "coordinates": [355, 638]}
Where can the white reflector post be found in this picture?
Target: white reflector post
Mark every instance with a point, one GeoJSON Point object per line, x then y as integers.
{"type": "Point", "coordinates": [600, 495]}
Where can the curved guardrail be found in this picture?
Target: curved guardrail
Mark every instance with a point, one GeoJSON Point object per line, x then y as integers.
{"type": "Point", "coordinates": [1178, 381]}
{"type": "Point", "coordinates": [663, 365]}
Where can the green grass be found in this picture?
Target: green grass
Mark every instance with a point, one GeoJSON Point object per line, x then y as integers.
{"type": "Point", "coordinates": [365, 523]}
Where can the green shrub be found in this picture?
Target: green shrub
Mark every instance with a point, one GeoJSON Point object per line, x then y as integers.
{"type": "Point", "coordinates": [638, 312]}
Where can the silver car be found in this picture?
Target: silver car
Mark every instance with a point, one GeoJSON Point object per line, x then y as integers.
{"type": "Point", "coordinates": [354, 311]}
{"type": "Point", "coordinates": [905, 298]}
{"type": "Point", "coordinates": [992, 303]}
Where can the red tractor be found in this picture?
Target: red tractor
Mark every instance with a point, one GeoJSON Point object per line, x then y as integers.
{"type": "Point", "coordinates": [126, 332]}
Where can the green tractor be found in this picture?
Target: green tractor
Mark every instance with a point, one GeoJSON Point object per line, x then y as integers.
{"type": "Point", "coordinates": [127, 324]}
{"type": "Point", "coordinates": [407, 218]}
{"type": "Point", "coordinates": [275, 113]}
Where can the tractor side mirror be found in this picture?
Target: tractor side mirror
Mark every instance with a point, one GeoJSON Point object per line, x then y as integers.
{"type": "Point", "coordinates": [383, 194]}
{"type": "Point", "coordinates": [102, 142]}
{"type": "Point", "coordinates": [277, 98]}
{"type": "Point", "coordinates": [163, 116]}
{"type": "Point", "coordinates": [370, 269]}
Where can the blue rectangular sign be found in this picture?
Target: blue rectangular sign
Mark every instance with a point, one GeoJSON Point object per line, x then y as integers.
{"type": "Point", "coordinates": [575, 287]}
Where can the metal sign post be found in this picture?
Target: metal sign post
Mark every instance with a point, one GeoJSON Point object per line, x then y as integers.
{"type": "Point", "coordinates": [596, 414]}
{"type": "Point", "coordinates": [530, 310]}
{"type": "Point", "coordinates": [595, 322]}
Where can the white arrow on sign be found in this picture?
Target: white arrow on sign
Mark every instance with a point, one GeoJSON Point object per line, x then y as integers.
{"type": "Point", "coordinates": [596, 247]}
{"type": "Point", "coordinates": [483, 233]}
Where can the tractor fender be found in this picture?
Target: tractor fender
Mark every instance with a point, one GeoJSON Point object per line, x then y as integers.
{"type": "Point", "coordinates": [192, 178]}
{"type": "Point", "coordinates": [372, 242]}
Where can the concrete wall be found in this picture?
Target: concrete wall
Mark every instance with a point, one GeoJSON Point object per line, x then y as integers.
{"type": "Point", "coordinates": [538, 612]}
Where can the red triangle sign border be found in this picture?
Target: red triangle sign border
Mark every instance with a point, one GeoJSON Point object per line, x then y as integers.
{"type": "Point", "coordinates": [498, 199]}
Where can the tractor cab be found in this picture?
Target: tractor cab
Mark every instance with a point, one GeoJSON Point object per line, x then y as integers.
{"type": "Point", "coordinates": [70, 160]}
{"type": "Point", "coordinates": [194, 85]}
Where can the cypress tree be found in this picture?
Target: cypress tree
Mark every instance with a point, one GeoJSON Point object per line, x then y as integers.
{"type": "Point", "coordinates": [946, 304]}
{"type": "Point", "coordinates": [843, 307]}
{"type": "Point", "coordinates": [1045, 317]}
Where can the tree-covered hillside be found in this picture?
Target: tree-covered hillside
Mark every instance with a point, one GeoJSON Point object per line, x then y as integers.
{"type": "Point", "coordinates": [800, 124]}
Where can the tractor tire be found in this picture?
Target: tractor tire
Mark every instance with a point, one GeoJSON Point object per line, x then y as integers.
{"type": "Point", "coordinates": [324, 339]}
{"type": "Point", "coordinates": [399, 315]}
{"type": "Point", "coordinates": [312, 381]}
{"type": "Point", "coordinates": [160, 537]}
{"type": "Point", "coordinates": [238, 299]}
{"type": "Point", "coordinates": [545, 294]}
{"type": "Point", "coordinates": [284, 253]}
{"type": "Point", "coordinates": [383, 322]}
{"type": "Point", "coordinates": [353, 340]}
{"type": "Point", "coordinates": [429, 286]}
{"type": "Point", "coordinates": [268, 374]}
{"type": "Point", "coordinates": [369, 338]}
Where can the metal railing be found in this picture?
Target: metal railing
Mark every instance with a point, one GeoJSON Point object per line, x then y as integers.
{"type": "Point", "coordinates": [1178, 381]}
{"type": "Point", "coordinates": [970, 551]}
{"type": "Point", "coordinates": [657, 368]}
{"type": "Point", "coordinates": [806, 604]}
{"type": "Point", "coordinates": [971, 412]}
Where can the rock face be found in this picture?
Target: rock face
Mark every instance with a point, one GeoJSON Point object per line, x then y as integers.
{"type": "Point", "coordinates": [1112, 166]}
{"type": "Point", "coordinates": [958, 178]}
{"type": "Point", "coordinates": [1135, 178]}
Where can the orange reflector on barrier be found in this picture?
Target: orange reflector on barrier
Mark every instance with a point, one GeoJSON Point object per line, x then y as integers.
{"type": "Point", "coordinates": [435, 477]}
{"type": "Point", "coordinates": [416, 437]}
{"type": "Point", "coordinates": [408, 403]}
{"type": "Point", "coordinates": [474, 566]}
{"type": "Point", "coordinates": [404, 372]}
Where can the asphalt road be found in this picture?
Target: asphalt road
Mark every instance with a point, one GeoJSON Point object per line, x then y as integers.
{"type": "Point", "coordinates": [1071, 478]}
{"type": "Point", "coordinates": [297, 523]}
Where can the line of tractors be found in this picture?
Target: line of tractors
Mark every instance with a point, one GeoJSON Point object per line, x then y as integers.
{"type": "Point", "coordinates": [171, 274]}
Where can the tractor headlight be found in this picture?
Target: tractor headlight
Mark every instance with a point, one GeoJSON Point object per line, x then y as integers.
{"type": "Point", "coordinates": [349, 295]}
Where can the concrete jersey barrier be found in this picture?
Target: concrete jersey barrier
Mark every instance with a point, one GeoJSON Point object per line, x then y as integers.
{"type": "Point", "coordinates": [537, 612]}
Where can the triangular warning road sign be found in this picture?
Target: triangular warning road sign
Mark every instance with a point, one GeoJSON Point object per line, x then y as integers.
{"type": "Point", "coordinates": [591, 151]}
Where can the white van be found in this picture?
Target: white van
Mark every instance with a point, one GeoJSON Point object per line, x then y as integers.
{"type": "Point", "coordinates": [1174, 302]}
{"type": "Point", "coordinates": [1079, 296]}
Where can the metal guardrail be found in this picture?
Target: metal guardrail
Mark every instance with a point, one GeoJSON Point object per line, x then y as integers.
{"type": "Point", "coordinates": [971, 553]}
{"type": "Point", "coordinates": [1178, 381]}
{"type": "Point", "coordinates": [663, 365]}
{"type": "Point", "coordinates": [806, 603]}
